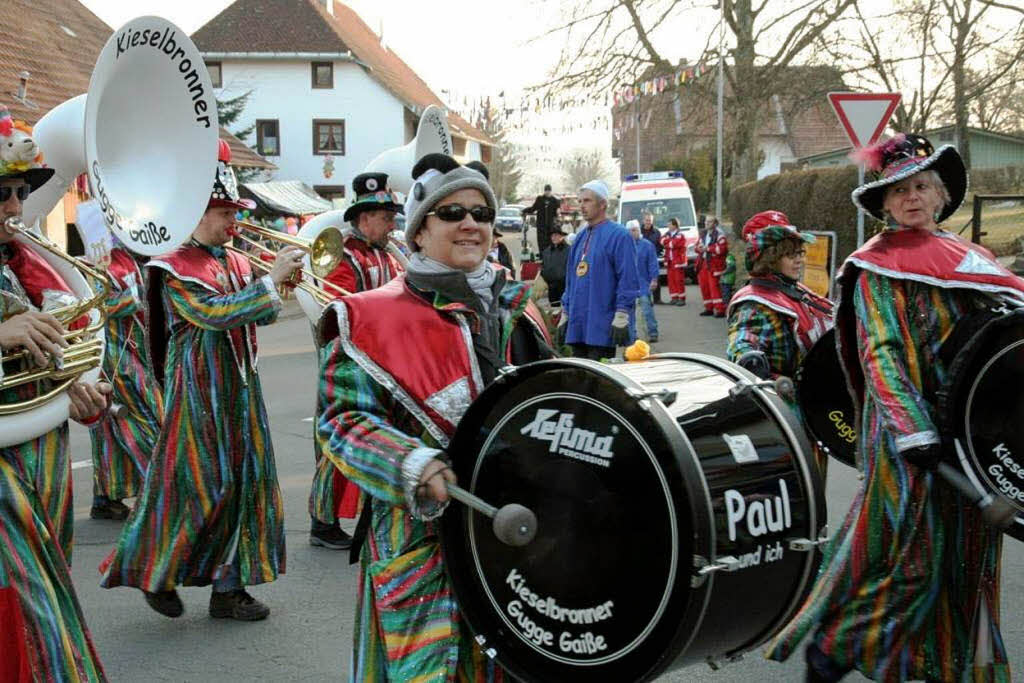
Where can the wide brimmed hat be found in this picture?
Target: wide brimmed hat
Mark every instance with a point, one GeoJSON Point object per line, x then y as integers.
{"type": "Point", "coordinates": [899, 158]}
{"type": "Point", "coordinates": [373, 193]}
{"type": "Point", "coordinates": [20, 156]}
{"type": "Point", "coordinates": [225, 185]}
{"type": "Point", "coordinates": [768, 228]}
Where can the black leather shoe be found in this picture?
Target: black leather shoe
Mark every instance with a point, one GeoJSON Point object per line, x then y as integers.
{"type": "Point", "coordinates": [166, 603]}
{"type": "Point", "coordinates": [332, 537]}
{"type": "Point", "coordinates": [653, 339]}
{"type": "Point", "coordinates": [110, 509]}
{"type": "Point", "coordinates": [237, 605]}
{"type": "Point", "coordinates": [820, 668]}
{"type": "Point", "coordinates": [707, 312]}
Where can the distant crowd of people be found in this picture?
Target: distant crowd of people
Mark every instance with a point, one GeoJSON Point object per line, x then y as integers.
{"type": "Point", "coordinates": [583, 272]}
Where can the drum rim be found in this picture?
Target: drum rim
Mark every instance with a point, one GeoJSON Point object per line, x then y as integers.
{"type": "Point", "coordinates": [811, 479]}
{"type": "Point", "coordinates": [798, 380]}
{"type": "Point", "coordinates": [948, 402]}
{"type": "Point", "coordinates": [701, 507]}
{"type": "Point", "coordinates": [670, 585]}
{"type": "Point", "coordinates": [968, 401]}
{"type": "Point", "coordinates": [694, 601]}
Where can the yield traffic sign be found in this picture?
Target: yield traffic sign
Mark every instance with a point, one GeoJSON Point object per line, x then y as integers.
{"type": "Point", "coordinates": [863, 115]}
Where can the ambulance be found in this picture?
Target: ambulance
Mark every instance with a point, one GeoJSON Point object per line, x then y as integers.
{"type": "Point", "coordinates": [665, 194]}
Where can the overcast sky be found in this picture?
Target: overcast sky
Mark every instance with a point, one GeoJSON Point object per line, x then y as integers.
{"type": "Point", "coordinates": [470, 44]}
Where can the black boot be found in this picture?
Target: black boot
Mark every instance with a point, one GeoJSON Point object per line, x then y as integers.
{"type": "Point", "coordinates": [166, 603]}
{"type": "Point", "coordinates": [820, 667]}
{"type": "Point", "coordinates": [106, 508]}
{"type": "Point", "coordinates": [329, 536]}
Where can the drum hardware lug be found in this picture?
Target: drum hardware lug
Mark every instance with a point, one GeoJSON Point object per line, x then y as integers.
{"type": "Point", "coordinates": [806, 545]}
{"type": "Point", "coordinates": [491, 653]}
{"type": "Point", "coordinates": [481, 640]}
{"type": "Point", "coordinates": [724, 563]}
{"type": "Point", "coordinates": [506, 372]}
{"type": "Point", "coordinates": [664, 395]}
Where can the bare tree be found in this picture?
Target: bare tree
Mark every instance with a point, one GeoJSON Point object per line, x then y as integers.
{"type": "Point", "coordinates": [976, 32]}
{"type": "Point", "coordinates": [504, 167]}
{"type": "Point", "coordinates": [893, 52]}
{"type": "Point", "coordinates": [584, 166]}
{"type": "Point", "coordinates": [611, 42]}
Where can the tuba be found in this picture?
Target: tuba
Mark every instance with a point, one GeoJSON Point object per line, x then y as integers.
{"type": "Point", "coordinates": [146, 134]}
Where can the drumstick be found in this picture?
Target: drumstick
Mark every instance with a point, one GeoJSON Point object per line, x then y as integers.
{"type": "Point", "coordinates": [995, 510]}
{"type": "Point", "coordinates": [513, 524]}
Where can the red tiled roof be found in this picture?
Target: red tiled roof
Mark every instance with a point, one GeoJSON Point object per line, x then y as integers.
{"type": "Point", "coordinates": [242, 156]}
{"type": "Point", "coordinates": [307, 26]}
{"type": "Point", "coordinates": [31, 39]}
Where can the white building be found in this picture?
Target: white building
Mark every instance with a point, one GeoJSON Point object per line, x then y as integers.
{"type": "Point", "coordinates": [327, 96]}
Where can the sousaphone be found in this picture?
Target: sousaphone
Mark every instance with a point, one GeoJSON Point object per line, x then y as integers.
{"type": "Point", "coordinates": [146, 134]}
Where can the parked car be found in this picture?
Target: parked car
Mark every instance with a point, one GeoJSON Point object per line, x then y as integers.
{"type": "Point", "coordinates": [509, 219]}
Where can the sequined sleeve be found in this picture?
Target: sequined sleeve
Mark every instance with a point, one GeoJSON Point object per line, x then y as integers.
{"type": "Point", "coordinates": [890, 359]}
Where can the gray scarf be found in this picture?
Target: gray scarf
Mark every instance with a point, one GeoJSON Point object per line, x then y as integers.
{"type": "Point", "coordinates": [481, 280]}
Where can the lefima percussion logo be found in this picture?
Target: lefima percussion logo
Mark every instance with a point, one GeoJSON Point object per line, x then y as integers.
{"type": "Point", "coordinates": [558, 430]}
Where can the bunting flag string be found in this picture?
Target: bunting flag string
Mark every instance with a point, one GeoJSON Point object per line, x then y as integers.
{"type": "Point", "coordinates": [655, 86]}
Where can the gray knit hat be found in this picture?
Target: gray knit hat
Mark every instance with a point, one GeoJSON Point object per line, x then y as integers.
{"type": "Point", "coordinates": [437, 176]}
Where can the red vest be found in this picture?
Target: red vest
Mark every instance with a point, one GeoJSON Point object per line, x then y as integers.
{"type": "Point", "coordinates": [197, 266]}
{"type": "Point", "coordinates": [424, 357]}
{"type": "Point", "coordinates": [808, 323]}
{"type": "Point", "coordinates": [124, 271]}
{"type": "Point", "coordinates": [34, 273]}
{"type": "Point", "coordinates": [364, 267]}
{"type": "Point", "coordinates": [675, 248]}
{"type": "Point", "coordinates": [941, 259]}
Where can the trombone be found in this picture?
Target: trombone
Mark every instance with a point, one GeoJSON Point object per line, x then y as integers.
{"type": "Point", "coordinates": [83, 353]}
{"type": "Point", "coordinates": [325, 253]}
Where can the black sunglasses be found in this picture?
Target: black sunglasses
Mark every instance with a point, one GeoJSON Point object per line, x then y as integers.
{"type": "Point", "coordinates": [453, 213]}
{"type": "Point", "coordinates": [23, 192]}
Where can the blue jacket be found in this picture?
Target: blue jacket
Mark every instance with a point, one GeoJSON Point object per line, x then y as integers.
{"type": "Point", "coordinates": [610, 284]}
{"type": "Point", "coordinates": [646, 264]}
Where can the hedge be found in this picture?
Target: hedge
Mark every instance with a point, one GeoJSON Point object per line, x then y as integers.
{"type": "Point", "coordinates": [816, 199]}
{"type": "Point", "coordinates": [1006, 180]}
{"type": "Point", "coordinates": [819, 199]}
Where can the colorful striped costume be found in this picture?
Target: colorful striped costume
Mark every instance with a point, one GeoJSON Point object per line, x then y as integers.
{"type": "Point", "coordinates": [763, 318]}
{"type": "Point", "coordinates": [211, 498]}
{"type": "Point", "coordinates": [121, 446]}
{"type": "Point", "coordinates": [363, 267]}
{"type": "Point", "coordinates": [408, 626]}
{"type": "Point", "coordinates": [909, 586]}
{"type": "Point", "coordinates": [43, 636]}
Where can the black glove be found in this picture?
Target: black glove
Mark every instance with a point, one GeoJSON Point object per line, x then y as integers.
{"type": "Point", "coordinates": [620, 328]}
{"type": "Point", "coordinates": [756, 362]}
{"type": "Point", "coordinates": [926, 457]}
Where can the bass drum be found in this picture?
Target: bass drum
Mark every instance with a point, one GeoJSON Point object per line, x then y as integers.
{"type": "Point", "coordinates": [824, 401]}
{"type": "Point", "coordinates": [982, 410]}
{"type": "Point", "coordinates": [678, 511]}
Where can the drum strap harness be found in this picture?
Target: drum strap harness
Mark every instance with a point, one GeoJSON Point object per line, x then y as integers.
{"type": "Point", "coordinates": [792, 292]}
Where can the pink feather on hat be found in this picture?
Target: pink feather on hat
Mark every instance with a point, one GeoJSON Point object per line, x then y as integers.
{"type": "Point", "coordinates": [873, 156]}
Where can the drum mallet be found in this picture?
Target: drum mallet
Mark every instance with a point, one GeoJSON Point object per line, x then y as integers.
{"type": "Point", "coordinates": [995, 510]}
{"type": "Point", "coordinates": [513, 524]}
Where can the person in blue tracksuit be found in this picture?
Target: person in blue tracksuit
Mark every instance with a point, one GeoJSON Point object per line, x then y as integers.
{"type": "Point", "coordinates": [602, 283]}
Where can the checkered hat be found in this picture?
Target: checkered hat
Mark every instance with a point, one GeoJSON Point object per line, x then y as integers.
{"type": "Point", "coordinates": [765, 229]}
